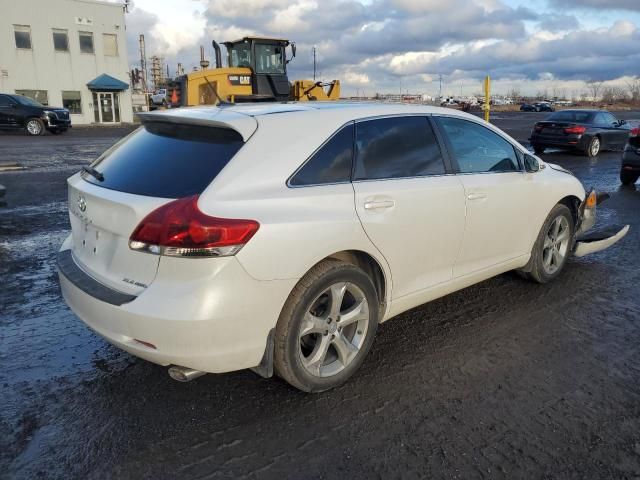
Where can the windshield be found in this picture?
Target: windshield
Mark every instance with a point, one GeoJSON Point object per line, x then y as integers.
{"type": "Point", "coordinates": [27, 101]}
{"type": "Point", "coordinates": [571, 116]}
{"type": "Point", "coordinates": [269, 59]}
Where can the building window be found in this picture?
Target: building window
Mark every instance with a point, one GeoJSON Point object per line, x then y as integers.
{"type": "Point", "coordinates": [72, 101]}
{"type": "Point", "coordinates": [110, 41]}
{"type": "Point", "coordinates": [60, 40]}
{"type": "Point", "coordinates": [86, 42]}
{"type": "Point", "coordinates": [37, 95]}
{"type": "Point", "coordinates": [22, 34]}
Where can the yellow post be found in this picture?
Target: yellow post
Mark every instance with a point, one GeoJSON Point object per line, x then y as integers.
{"type": "Point", "coordinates": [487, 97]}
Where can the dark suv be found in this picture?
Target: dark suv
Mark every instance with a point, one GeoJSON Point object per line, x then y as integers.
{"type": "Point", "coordinates": [20, 112]}
{"type": "Point", "coordinates": [630, 168]}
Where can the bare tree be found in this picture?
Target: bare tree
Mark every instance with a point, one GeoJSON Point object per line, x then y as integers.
{"type": "Point", "coordinates": [515, 94]}
{"type": "Point", "coordinates": [594, 89]}
{"type": "Point", "coordinates": [633, 90]}
{"type": "Point", "coordinates": [613, 94]}
{"type": "Point", "coordinates": [542, 94]}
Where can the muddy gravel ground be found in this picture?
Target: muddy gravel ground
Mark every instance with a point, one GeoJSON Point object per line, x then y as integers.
{"type": "Point", "coordinates": [505, 379]}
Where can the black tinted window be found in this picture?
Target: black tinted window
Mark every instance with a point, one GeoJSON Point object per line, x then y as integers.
{"type": "Point", "coordinates": [606, 119]}
{"type": "Point", "coordinates": [478, 149]}
{"type": "Point", "coordinates": [397, 147]}
{"type": "Point", "coordinates": [5, 101]}
{"type": "Point", "coordinates": [571, 116]}
{"type": "Point", "coordinates": [167, 160]}
{"type": "Point", "coordinates": [331, 163]}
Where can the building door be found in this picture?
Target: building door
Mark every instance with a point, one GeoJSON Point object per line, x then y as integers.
{"type": "Point", "coordinates": [106, 107]}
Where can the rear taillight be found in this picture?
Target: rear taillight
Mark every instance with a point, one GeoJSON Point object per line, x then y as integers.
{"type": "Point", "coordinates": [180, 229]}
{"type": "Point", "coordinates": [577, 129]}
{"type": "Point", "coordinates": [635, 132]}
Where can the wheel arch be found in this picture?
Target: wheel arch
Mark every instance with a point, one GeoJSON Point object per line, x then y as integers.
{"type": "Point", "coordinates": [573, 203]}
{"type": "Point", "coordinates": [371, 267]}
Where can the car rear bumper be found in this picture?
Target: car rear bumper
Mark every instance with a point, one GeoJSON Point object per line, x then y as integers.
{"type": "Point", "coordinates": [569, 141]}
{"type": "Point", "coordinates": [209, 319]}
{"type": "Point", "coordinates": [631, 158]}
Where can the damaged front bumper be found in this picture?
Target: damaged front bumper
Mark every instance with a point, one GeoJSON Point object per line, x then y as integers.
{"type": "Point", "coordinates": [597, 240]}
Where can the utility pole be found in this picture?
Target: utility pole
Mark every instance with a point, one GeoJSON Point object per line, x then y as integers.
{"type": "Point", "coordinates": [314, 63]}
{"type": "Point", "coordinates": [440, 94]}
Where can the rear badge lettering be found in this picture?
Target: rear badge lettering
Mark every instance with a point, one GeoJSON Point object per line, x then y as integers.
{"type": "Point", "coordinates": [133, 282]}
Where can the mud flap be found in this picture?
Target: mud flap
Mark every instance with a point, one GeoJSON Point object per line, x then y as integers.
{"type": "Point", "coordinates": [265, 369]}
{"type": "Point", "coordinates": [598, 240]}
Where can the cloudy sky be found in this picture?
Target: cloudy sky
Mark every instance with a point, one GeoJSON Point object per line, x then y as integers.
{"type": "Point", "coordinates": [392, 45]}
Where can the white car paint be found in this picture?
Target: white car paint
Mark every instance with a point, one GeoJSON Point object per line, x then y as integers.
{"type": "Point", "coordinates": [430, 236]}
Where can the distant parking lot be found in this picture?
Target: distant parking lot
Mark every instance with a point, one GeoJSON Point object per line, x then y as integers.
{"type": "Point", "coordinates": [505, 379]}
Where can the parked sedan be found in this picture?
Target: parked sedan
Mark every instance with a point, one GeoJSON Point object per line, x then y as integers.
{"type": "Point", "coordinates": [212, 239]}
{"type": "Point", "coordinates": [19, 112]}
{"type": "Point", "coordinates": [537, 107]}
{"type": "Point", "coordinates": [586, 130]}
{"type": "Point", "coordinates": [630, 168]}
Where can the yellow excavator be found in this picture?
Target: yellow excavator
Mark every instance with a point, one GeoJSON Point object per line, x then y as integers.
{"type": "Point", "coordinates": [256, 72]}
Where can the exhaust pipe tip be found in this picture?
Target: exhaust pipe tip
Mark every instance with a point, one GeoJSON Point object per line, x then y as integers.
{"type": "Point", "coordinates": [184, 374]}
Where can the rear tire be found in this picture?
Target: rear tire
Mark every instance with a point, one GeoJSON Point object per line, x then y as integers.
{"type": "Point", "coordinates": [628, 178]}
{"type": "Point", "coordinates": [593, 148]}
{"type": "Point", "coordinates": [553, 246]}
{"type": "Point", "coordinates": [326, 327]}
{"type": "Point", "coordinates": [34, 127]}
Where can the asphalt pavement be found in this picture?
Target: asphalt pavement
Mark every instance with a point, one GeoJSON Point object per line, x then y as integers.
{"type": "Point", "coordinates": [505, 379]}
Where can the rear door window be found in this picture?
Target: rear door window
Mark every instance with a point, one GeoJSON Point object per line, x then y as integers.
{"type": "Point", "coordinates": [397, 147]}
{"type": "Point", "coordinates": [167, 160]}
{"type": "Point", "coordinates": [331, 163]}
{"type": "Point", "coordinates": [478, 149]}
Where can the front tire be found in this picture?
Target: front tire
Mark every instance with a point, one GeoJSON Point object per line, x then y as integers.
{"type": "Point", "coordinates": [326, 327]}
{"type": "Point", "coordinates": [553, 245]}
{"type": "Point", "coordinates": [34, 127]}
{"type": "Point", "coordinates": [628, 178]}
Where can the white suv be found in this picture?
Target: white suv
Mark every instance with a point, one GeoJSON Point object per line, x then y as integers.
{"type": "Point", "coordinates": [278, 236]}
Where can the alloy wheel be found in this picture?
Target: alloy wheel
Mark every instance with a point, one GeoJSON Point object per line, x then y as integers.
{"type": "Point", "coordinates": [34, 127]}
{"type": "Point", "coordinates": [594, 147]}
{"type": "Point", "coordinates": [556, 245]}
{"type": "Point", "coordinates": [333, 329]}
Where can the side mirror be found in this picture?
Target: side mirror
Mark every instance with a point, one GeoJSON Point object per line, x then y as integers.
{"type": "Point", "coordinates": [293, 53]}
{"type": "Point", "coordinates": [622, 122]}
{"type": "Point", "coordinates": [531, 164]}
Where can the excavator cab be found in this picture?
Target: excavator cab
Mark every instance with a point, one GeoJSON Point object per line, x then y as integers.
{"type": "Point", "coordinates": [267, 60]}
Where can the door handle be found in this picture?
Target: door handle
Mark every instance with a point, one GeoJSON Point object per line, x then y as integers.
{"type": "Point", "coordinates": [379, 204]}
{"type": "Point", "coordinates": [476, 196]}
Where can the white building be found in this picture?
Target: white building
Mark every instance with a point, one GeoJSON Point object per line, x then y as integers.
{"type": "Point", "coordinates": [69, 53]}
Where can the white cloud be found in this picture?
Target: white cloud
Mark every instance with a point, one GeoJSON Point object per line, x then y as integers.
{"type": "Point", "coordinates": [374, 42]}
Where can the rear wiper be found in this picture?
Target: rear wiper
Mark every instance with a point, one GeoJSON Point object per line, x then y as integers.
{"type": "Point", "coordinates": [94, 173]}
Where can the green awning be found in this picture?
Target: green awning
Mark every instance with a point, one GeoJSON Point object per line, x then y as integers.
{"type": "Point", "coordinates": [107, 83]}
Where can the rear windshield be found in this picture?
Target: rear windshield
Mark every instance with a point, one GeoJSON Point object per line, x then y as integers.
{"type": "Point", "coordinates": [167, 160]}
{"type": "Point", "coordinates": [566, 116]}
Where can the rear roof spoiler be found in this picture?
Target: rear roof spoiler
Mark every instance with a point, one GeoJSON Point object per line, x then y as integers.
{"type": "Point", "coordinates": [214, 117]}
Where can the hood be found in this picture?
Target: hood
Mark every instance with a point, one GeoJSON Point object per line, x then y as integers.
{"type": "Point", "coordinates": [559, 168]}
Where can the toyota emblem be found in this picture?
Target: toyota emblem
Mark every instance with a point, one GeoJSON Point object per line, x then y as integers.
{"type": "Point", "coordinates": [82, 204]}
